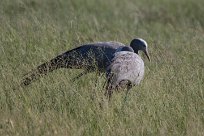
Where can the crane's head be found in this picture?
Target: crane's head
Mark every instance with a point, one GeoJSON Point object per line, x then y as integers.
{"type": "Point", "coordinates": [140, 44]}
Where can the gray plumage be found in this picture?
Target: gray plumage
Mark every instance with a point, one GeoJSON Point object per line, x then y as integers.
{"type": "Point", "coordinates": [88, 57]}
{"type": "Point", "coordinates": [125, 70]}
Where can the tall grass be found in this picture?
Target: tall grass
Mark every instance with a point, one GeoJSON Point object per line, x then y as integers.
{"type": "Point", "coordinates": [169, 101]}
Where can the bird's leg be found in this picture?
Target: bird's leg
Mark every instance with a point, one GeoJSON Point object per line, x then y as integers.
{"type": "Point", "coordinates": [129, 86]}
{"type": "Point", "coordinates": [108, 92]}
{"type": "Point", "coordinates": [126, 94]}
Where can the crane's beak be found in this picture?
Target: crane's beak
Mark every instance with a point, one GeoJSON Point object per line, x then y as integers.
{"type": "Point", "coordinates": [147, 54]}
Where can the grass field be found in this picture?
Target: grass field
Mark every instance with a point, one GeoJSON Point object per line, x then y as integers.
{"type": "Point", "coordinates": [169, 101]}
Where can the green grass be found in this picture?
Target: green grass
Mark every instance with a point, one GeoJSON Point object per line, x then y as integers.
{"type": "Point", "coordinates": [169, 101]}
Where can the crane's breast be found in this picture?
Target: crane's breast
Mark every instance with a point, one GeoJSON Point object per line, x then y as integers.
{"type": "Point", "coordinates": [127, 66]}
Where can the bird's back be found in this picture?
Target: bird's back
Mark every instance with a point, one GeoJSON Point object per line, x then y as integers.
{"type": "Point", "coordinates": [86, 55]}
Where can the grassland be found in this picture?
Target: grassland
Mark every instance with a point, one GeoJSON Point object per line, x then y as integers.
{"type": "Point", "coordinates": [169, 101]}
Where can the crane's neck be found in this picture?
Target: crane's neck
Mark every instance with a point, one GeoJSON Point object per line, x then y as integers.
{"type": "Point", "coordinates": [135, 48]}
{"type": "Point", "coordinates": [136, 51]}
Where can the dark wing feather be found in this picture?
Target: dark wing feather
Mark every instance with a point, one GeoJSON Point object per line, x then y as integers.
{"type": "Point", "coordinates": [88, 57]}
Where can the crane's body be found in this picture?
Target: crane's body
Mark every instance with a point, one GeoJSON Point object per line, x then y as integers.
{"type": "Point", "coordinates": [89, 57]}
